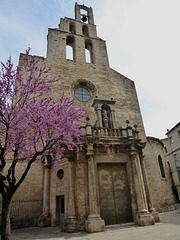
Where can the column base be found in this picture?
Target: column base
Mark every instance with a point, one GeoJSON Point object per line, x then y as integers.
{"type": "Point", "coordinates": [144, 218]}
{"type": "Point", "coordinates": [44, 221]}
{"type": "Point", "coordinates": [70, 225]}
{"type": "Point", "coordinates": [94, 224]}
{"type": "Point", "coordinates": [155, 214]}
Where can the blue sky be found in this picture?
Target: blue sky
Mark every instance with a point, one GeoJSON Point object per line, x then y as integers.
{"type": "Point", "coordinates": [143, 42]}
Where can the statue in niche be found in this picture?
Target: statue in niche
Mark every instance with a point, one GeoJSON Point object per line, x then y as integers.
{"type": "Point", "coordinates": [106, 116]}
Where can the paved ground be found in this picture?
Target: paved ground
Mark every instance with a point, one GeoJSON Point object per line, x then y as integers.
{"type": "Point", "coordinates": [168, 229]}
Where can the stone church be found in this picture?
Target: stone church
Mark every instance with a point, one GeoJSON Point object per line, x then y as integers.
{"type": "Point", "coordinates": [116, 174]}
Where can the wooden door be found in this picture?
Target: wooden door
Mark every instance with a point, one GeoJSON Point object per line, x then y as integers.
{"type": "Point", "coordinates": [115, 205]}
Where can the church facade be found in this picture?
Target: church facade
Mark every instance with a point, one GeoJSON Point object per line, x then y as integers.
{"type": "Point", "coordinates": [113, 176]}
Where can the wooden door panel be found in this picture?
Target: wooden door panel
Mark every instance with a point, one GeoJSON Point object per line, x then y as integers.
{"type": "Point", "coordinates": [115, 206]}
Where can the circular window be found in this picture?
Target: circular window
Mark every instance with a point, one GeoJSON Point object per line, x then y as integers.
{"type": "Point", "coordinates": [82, 94]}
{"type": "Point", "coordinates": [60, 174]}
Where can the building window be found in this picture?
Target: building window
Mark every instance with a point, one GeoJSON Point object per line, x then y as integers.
{"type": "Point", "coordinates": [171, 140]}
{"type": "Point", "coordinates": [83, 90]}
{"type": "Point", "coordinates": [72, 28]}
{"type": "Point", "coordinates": [89, 51]}
{"type": "Point", "coordinates": [60, 174]}
{"type": "Point", "coordinates": [70, 52]}
{"type": "Point", "coordinates": [161, 167]}
{"type": "Point", "coordinates": [82, 94]}
{"type": "Point", "coordinates": [85, 31]}
{"type": "Point", "coordinates": [88, 56]}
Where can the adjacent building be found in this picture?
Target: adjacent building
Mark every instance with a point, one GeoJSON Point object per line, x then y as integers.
{"type": "Point", "coordinates": [172, 154]}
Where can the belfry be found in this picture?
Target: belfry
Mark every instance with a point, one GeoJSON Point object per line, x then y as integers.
{"type": "Point", "coordinates": [112, 176]}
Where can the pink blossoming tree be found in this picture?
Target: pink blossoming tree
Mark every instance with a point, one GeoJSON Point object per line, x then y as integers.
{"type": "Point", "coordinates": [32, 124]}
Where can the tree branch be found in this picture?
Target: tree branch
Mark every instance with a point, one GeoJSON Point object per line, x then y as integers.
{"type": "Point", "coordinates": [11, 171]}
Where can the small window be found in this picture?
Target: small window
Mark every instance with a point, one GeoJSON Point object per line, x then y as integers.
{"type": "Point", "coordinates": [60, 174]}
{"type": "Point", "coordinates": [83, 90]}
{"type": "Point", "coordinates": [171, 140]}
{"type": "Point", "coordinates": [72, 28]}
{"type": "Point", "coordinates": [88, 56]}
{"type": "Point", "coordinates": [69, 52]}
{"type": "Point", "coordinates": [89, 51]}
{"type": "Point", "coordinates": [165, 149]}
{"type": "Point", "coordinates": [85, 31]}
{"type": "Point", "coordinates": [161, 167]}
{"type": "Point", "coordinates": [82, 94]}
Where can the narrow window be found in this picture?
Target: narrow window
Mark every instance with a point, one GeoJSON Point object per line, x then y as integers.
{"type": "Point", "coordinates": [165, 149]}
{"type": "Point", "coordinates": [85, 31]}
{"type": "Point", "coordinates": [88, 56]}
{"type": "Point", "coordinates": [89, 52]}
{"type": "Point", "coordinates": [161, 166]}
{"type": "Point", "coordinates": [70, 52]}
{"type": "Point", "coordinates": [171, 140]}
{"type": "Point", "coordinates": [72, 28]}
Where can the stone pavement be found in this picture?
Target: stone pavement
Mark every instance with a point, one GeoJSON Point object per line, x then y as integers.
{"type": "Point", "coordinates": [168, 229]}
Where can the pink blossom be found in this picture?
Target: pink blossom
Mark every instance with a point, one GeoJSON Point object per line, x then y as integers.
{"type": "Point", "coordinates": [31, 123]}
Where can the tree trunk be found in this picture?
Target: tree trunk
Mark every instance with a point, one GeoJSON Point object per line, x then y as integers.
{"type": "Point", "coordinates": [6, 231]}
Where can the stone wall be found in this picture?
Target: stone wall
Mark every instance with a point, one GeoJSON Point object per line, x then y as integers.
{"type": "Point", "coordinates": [26, 205]}
{"type": "Point", "coordinates": [160, 187]}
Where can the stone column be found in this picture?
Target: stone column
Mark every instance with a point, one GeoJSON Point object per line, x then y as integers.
{"type": "Point", "coordinates": [70, 223]}
{"type": "Point", "coordinates": [77, 12]}
{"type": "Point", "coordinates": [149, 200]}
{"type": "Point", "coordinates": [144, 217]}
{"type": "Point", "coordinates": [113, 118]}
{"type": "Point", "coordinates": [99, 116]}
{"type": "Point", "coordinates": [91, 19]}
{"type": "Point", "coordinates": [94, 223]}
{"type": "Point", "coordinates": [44, 219]}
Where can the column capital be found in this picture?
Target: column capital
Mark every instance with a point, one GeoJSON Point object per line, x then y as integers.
{"type": "Point", "coordinates": [133, 152]}
{"type": "Point", "coordinates": [133, 155]}
{"type": "Point", "coordinates": [90, 149]}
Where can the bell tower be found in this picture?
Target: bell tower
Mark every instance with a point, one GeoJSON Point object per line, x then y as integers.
{"type": "Point", "coordinates": [77, 40]}
{"type": "Point", "coordinates": [84, 17]}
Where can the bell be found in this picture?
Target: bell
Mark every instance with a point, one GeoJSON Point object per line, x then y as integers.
{"type": "Point", "coordinates": [84, 18]}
